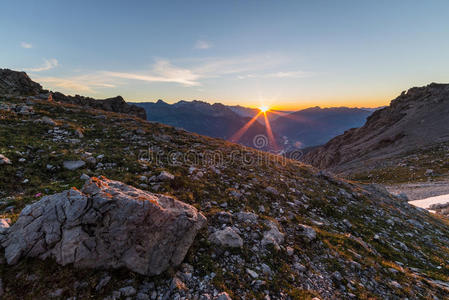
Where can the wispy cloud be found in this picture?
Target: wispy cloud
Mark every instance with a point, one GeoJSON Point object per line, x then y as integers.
{"type": "Point", "coordinates": [85, 83]}
{"type": "Point", "coordinates": [201, 44]}
{"type": "Point", "coordinates": [188, 73]}
{"type": "Point", "coordinates": [162, 71]}
{"type": "Point", "coordinates": [280, 74]}
{"type": "Point", "coordinates": [26, 45]}
{"type": "Point", "coordinates": [48, 65]}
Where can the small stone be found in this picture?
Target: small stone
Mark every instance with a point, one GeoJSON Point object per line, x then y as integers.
{"type": "Point", "coordinates": [91, 160]}
{"type": "Point", "coordinates": [226, 238]}
{"type": "Point", "coordinates": [56, 293]}
{"type": "Point", "coordinates": [73, 165]}
{"type": "Point", "coordinates": [272, 190]}
{"type": "Point", "coordinates": [4, 225]}
{"type": "Point", "coordinates": [165, 176]}
{"type": "Point", "coordinates": [223, 296]}
{"type": "Point", "coordinates": [48, 121]}
{"type": "Point", "coordinates": [273, 236]}
{"type": "Point", "coordinates": [127, 291]}
{"type": "Point", "coordinates": [103, 282]}
{"type": "Point", "coordinates": [265, 269]}
{"type": "Point", "coordinates": [84, 177]}
{"type": "Point", "coordinates": [4, 160]}
{"type": "Point", "coordinates": [142, 296]}
{"type": "Point", "coordinates": [308, 233]}
{"type": "Point", "coordinates": [252, 273]}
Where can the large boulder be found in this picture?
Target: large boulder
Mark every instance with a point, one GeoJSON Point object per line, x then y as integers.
{"type": "Point", "coordinates": [107, 224]}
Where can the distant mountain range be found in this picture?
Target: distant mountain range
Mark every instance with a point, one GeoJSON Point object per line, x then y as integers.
{"type": "Point", "coordinates": [308, 127]}
{"type": "Point", "coordinates": [214, 120]}
{"type": "Point", "coordinates": [315, 126]}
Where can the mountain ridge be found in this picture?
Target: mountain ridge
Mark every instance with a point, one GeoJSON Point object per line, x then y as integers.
{"type": "Point", "coordinates": [415, 119]}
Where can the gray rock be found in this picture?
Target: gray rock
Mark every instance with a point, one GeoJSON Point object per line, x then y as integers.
{"type": "Point", "coordinates": [165, 176]}
{"type": "Point", "coordinates": [4, 226]}
{"type": "Point", "coordinates": [307, 232]}
{"type": "Point", "coordinates": [84, 177]}
{"type": "Point", "coordinates": [272, 190]}
{"type": "Point", "coordinates": [4, 160]}
{"type": "Point", "coordinates": [56, 293]}
{"type": "Point", "coordinates": [48, 121]}
{"type": "Point", "coordinates": [226, 238]}
{"type": "Point", "coordinates": [223, 296]}
{"type": "Point", "coordinates": [106, 225]}
{"type": "Point", "coordinates": [127, 291]}
{"type": "Point", "coordinates": [142, 296]}
{"type": "Point", "coordinates": [251, 273]}
{"type": "Point", "coordinates": [73, 164]}
{"type": "Point", "coordinates": [102, 283]}
{"type": "Point", "coordinates": [246, 217]}
{"type": "Point", "coordinates": [224, 217]}
{"type": "Point", "coordinates": [273, 236]}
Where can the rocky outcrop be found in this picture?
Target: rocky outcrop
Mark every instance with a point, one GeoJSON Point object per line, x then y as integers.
{"type": "Point", "coordinates": [115, 104]}
{"type": "Point", "coordinates": [18, 84]}
{"type": "Point", "coordinates": [13, 83]}
{"type": "Point", "coordinates": [417, 118]}
{"type": "Point", "coordinates": [106, 224]}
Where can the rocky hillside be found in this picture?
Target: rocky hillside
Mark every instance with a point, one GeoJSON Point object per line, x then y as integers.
{"type": "Point", "coordinates": [19, 84]}
{"type": "Point", "coordinates": [276, 229]}
{"type": "Point", "coordinates": [415, 123]}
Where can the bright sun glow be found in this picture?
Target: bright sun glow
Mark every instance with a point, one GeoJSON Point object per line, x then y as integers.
{"type": "Point", "coordinates": [264, 108]}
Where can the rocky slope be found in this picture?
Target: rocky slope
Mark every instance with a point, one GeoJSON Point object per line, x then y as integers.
{"type": "Point", "coordinates": [19, 84]}
{"type": "Point", "coordinates": [415, 122]}
{"type": "Point", "coordinates": [276, 229]}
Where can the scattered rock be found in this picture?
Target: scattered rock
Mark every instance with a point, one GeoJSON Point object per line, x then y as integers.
{"type": "Point", "coordinates": [4, 160]}
{"type": "Point", "coordinates": [127, 291]}
{"type": "Point", "coordinates": [56, 293]}
{"type": "Point", "coordinates": [226, 238]}
{"type": "Point", "coordinates": [252, 273]}
{"type": "Point", "coordinates": [307, 232]}
{"type": "Point", "coordinates": [273, 236]}
{"type": "Point", "coordinates": [246, 217]}
{"type": "Point", "coordinates": [272, 190]}
{"type": "Point", "coordinates": [4, 226]}
{"type": "Point", "coordinates": [223, 296]}
{"type": "Point", "coordinates": [48, 121]}
{"type": "Point", "coordinates": [73, 164]}
{"type": "Point", "coordinates": [165, 176]}
{"type": "Point", "coordinates": [102, 283]}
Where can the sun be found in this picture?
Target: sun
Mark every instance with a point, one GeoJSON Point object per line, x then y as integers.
{"type": "Point", "coordinates": [264, 108]}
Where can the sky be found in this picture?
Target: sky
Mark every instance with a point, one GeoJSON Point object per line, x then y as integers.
{"type": "Point", "coordinates": [283, 54]}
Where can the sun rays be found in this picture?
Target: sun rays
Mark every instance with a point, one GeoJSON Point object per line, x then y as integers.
{"type": "Point", "coordinates": [263, 110]}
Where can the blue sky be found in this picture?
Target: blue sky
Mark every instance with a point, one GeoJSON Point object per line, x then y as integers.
{"type": "Point", "coordinates": [286, 54]}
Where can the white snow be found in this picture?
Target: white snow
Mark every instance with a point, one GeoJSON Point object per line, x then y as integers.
{"type": "Point", "coordinates": [425, 203]}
